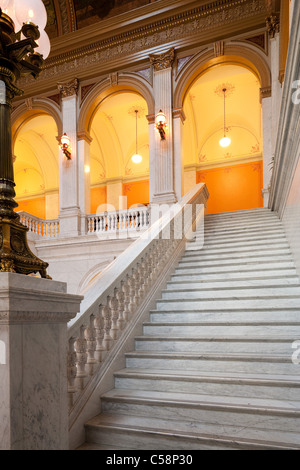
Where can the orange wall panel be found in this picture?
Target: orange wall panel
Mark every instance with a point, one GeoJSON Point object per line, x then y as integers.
{"type": "Point", "coordinates": [98, 197]}
{"type": "Point", "coordinates": [35, 206]}
{"type": "Point", "coordinates": [137, 192]}
{"type": "Point", "coordinates": [233, 188]}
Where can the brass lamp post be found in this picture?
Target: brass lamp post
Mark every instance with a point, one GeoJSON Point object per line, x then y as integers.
{"type": "Point", "coordinates": [17, 58]}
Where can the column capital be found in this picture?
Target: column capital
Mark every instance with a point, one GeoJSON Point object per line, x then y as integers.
{"type": "Point", "coordinates": [273, 25]}
{"type": "Point", "coordinates": [265, 93]}
{"type": "Point", "coordinates": [68, 88]}
{"type": "Point", "coordinates": [162, 61]}
{"type": "Point", "coordinates": [179, 113]}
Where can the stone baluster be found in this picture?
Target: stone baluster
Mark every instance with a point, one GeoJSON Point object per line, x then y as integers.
{"type": "Point", "coordinates": [81, 358]}
{"type": "Point", "coordinates": [71, 371]}
{"type": "Point", "coordinates": [114, 307]}
{"type": "Point", "coordinates": [99, 328]}
{"type": "Point", "coordinates": [90, 336]}
{"type": "Point", "coordinates": [119, 294]}
{"type": "Point", "coordinates": [106, 315]}
{"type": "Point", "coordinates": [126, 291]}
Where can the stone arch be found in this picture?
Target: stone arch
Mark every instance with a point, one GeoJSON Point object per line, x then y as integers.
{"type": "Point", "coordinates": [235, 53]}
{"type": "Point", "coordinates": [125, 82]}
{"type": "Point", "coordinates": [38, 106]}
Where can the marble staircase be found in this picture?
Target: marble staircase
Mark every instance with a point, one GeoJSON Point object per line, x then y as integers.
{"type": "Point", "coordinates": [213, 368]}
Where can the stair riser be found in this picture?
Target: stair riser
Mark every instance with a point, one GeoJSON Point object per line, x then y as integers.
{"type": "Point", "coordinates": [208, 388]}
{"type": "Point", "coordinates": [258, 331]}
{"type": "Point", "coordinates": [241, 268]}
{"type": "Point", "coordinates": [250, 261]}
{"type": "Point", "coordinates": [242, 276]}
{"type": "Point", "coordinates": [150, 441]}
{"type": "Point", "coordinates": [196, 416]}
{"type": "Point", "coordinates": [232, 293]}
{"type": "Point", "coordinates": [204, 365]}
{"type": "Point", "coordinates": [230, 317]}
{"type": "Point", "coordinates": [228, 284]}
{"type": "Point", "coordinates": [236, 252]}
{"type": "Point", "coordinates": [229, 347]}
{"type": "Point", "coordinates": [235, 304]}
{"type": "Point", "coordinates": [247, 256]}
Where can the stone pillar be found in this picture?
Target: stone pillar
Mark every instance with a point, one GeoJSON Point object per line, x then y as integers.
{"type": "Point", "coordinates": [115, 195]}
{"type": "Point", "coordinates": [163, 170]}
{"type": "Point", "coordinates": [84, 176]}
{"type": "Point", "coordinates": [267, 142]}
{"type": "Point", "coordinates": [33, 362]}
{"type": "Point", "coordinates": [178, 122]}
{"type": "Point", "coordinates": [69, 208]}
{"type": "Point", "coordinates": [271, 100]}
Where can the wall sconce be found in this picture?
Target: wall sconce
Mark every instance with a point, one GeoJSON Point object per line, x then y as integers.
{"type": "Point", "coordinates": [161, 124]}
{"type": "Point", "coordinates": [65, 146]}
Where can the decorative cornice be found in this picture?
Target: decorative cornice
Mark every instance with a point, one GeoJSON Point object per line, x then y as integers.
{"type": "Point", "coordinates": [84, 136]}
{"type": "Point", "coordinates": [162, 61]}
{"type": "Point", "coordinates": [69, 88]}
{"type": "Point", "coordinates": [184, 25]}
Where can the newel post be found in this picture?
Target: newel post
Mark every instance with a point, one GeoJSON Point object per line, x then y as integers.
{"type": "Point", "coordinates": [33, 362]}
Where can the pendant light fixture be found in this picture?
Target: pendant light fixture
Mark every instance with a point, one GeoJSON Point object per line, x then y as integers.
{"type": "Point", "coordinates": [225, 141]}
{"type": "Point", "coordinates": [136, 158]}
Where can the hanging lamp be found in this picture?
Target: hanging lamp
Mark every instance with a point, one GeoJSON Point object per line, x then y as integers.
{"type": "Point", "coordinates": [225, 141]}
{"type": "Point", "coordinates": [136, 158]}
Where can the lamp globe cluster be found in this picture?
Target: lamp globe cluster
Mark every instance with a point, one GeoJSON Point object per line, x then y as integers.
{"type": "Point", "coordinates": [29, 12]}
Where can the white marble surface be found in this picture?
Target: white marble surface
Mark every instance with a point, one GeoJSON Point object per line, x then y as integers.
{"type": "Point", "coordinates": [33, 386]}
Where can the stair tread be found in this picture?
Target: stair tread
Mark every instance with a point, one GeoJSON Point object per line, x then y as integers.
{"type": "Point", "coordinates": [287, 380]}
{"type": "Point", "coordinates": [189, 399]}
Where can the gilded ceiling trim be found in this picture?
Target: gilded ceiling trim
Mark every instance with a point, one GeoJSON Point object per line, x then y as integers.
{"type": "Point", "coordinates": [184, 25]}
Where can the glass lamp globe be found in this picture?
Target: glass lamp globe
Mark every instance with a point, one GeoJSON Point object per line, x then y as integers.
{"type": "Point", "coordinates": [65, 140]}
{"type": "Point", "coordinates": [8, 7]}
{"type": "Point", "coordinates": [4, 4]}
{"type": "Point", "coordinates": [136, 158]}
{"type": "Point", "coordinates": [225, 142]}
{"type": "Point", "coordinates": [43, 44]}
{"type": "Point", "coordinates": [32, 11]}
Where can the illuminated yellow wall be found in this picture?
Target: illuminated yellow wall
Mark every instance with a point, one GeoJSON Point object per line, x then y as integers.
{"type": "Point", "coordinates": [34, 206]}
{"type": "Point", "coordinates": [233, 188]}
{"type": "Point", "coordinates": [137, 192]}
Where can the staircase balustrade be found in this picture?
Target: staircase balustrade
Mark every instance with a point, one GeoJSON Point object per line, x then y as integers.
{"type": "Point", "coordinates": [114, 300]}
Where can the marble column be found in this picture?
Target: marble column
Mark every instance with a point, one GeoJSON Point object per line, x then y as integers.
{"type": "Point", "coordinates": [84, 176]}
{"type": "Point", "coordinates": [162, 163]}
{"type": "Point", "coordinates": [33, 362]}
{"type": "Point", "coordinates": [70, 212]}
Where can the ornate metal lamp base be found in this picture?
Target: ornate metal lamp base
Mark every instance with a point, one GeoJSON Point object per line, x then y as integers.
{"type": "Point", "coordinates": [15, 255]}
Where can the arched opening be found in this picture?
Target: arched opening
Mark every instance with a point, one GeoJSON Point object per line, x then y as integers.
{"type": "Point", "coordinates": [119, 129]}
{"type": "Point", "coordinates": [35, 151]}
{"type": "Point", "coordinates": [234, 175]}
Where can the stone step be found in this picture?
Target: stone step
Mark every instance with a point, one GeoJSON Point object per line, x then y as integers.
{"type": "Point", "coordinates": [212, 330]}
{"type": "Point", "coordinates": [238, 304]}
{"type": "Point", "coordinates": [275, 387]}
{"type": "Point", "coordinates": [238, 248]}
{"type": "Point", "coordinates": [238, 363]}
{"type": "Point", "coordinates": [224, 228]}
{"type": "Point", "coordinates": [236, 267]}
{"type": "Point", "coordinates": [263, 253]}
{"type": "Point", "coordinates": [247, 212]}
{"type": "Point", "coordinates": [193, 410]}
{"type": "Point", "coordinates": [153, 433]}
{"type": "Point", "coordinates": [180, 294]}
{"type": "Point", "coordinates": [286, 316]}
{"type": "Point", "coordinates": [244, 234]}
{"type": "Point", "coordinates": [236, 276]}
{"type": "Point", "coordinates": [230, 261]}
{"type": "Point", "coordinates": [216, 344]}
{"type": "Point", "coordinates": [229, 284]}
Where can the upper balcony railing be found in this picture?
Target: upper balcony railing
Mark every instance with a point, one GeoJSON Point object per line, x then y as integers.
{"type": "Point", "coordinates": [106, 224]}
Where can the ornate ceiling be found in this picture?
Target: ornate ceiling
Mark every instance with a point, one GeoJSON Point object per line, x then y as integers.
{"type": "Point", "coordinates": [65, 16]}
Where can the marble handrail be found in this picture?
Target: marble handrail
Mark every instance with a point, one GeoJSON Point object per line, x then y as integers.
{"type": "Point", "coordinates": [114, 300]}
{"type": "Point", "coordinates": [40, 227]}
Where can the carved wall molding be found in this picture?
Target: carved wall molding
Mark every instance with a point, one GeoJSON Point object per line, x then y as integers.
{"type": "Point", "coordinates": [188, 24]}
{"type": "Point", "coordinates": [219, 48]}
